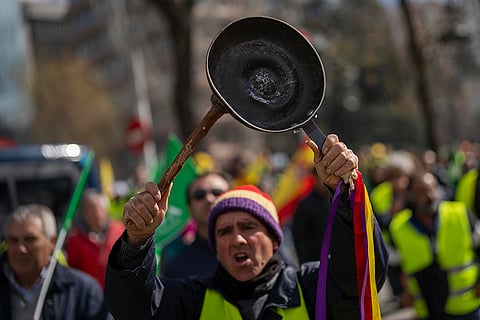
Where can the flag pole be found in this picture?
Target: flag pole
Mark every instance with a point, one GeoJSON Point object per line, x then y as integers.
{"type": "Point", "coordinates": [67, 222]}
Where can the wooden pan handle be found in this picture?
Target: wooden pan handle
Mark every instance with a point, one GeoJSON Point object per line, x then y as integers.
{"type": "Point", "coordinates": [216, 111]}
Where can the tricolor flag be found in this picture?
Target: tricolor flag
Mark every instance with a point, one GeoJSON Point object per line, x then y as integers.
{"type": "Point", "coordinates": [363, 223]}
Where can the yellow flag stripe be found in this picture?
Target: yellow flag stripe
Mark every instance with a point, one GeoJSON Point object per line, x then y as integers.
{"type": "Point", "coordinates": [376, 314]}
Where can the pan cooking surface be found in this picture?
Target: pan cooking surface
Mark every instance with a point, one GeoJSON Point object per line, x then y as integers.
{"type": "Point", "coordinates": [268, 74]}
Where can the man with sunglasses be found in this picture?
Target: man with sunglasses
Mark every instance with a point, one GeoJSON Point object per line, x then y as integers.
{"type": "Point", "coordinates": [195, 258]}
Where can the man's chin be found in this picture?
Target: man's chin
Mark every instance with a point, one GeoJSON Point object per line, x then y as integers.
{"type": "Point", "coordinates": [243, 275]}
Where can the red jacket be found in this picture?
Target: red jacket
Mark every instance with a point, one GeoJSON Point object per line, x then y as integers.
{"type": "Point", "coordinates": [86, 253]}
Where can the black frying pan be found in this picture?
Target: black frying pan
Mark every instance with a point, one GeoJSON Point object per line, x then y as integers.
{"type": "Point", "coordinates": [267, 75]}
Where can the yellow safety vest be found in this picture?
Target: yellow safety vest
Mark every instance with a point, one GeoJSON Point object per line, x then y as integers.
{"type": "Point", "coordinates": [216, 307]}
{"type": "Point", "coordinates": [466, 189]}
{"type": "Point", "coordinates": [455, 255]}
{"type": "Point", "coordinates": [381, 198]}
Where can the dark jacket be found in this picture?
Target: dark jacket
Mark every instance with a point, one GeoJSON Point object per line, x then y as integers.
{"type": "Point", "coordinates": [73, 295]}
{"type": "Point", "coordinates": [133, 291]}
{"type": "Point", "coordinates": [308, 226]}
{"type": "Point", "coordinates": [193, 259]}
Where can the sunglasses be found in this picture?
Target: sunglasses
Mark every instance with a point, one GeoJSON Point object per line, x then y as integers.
{"type": "Point", "coordinates": [199, 194]}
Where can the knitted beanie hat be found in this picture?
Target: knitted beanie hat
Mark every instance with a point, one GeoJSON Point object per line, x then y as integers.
{"type": "Point", "coordinates": [250, 199]}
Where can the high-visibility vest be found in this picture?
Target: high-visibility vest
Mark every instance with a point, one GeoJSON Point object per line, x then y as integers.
{"type": "Point", "coordinates": [466, 189]}
{"type": "Point", "coordinates": [216, 307]}
{"type": "Point", "coordinates": [381, 198]}
{"type": "Point", "coordinates": [455, 255]}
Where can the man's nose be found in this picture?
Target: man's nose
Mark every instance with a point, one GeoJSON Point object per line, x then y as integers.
{"type": "Point", "coordinates": [432, 195]}
{"type": "Point", "coordinates": [21, 247]}
{"type": "Point", "coordinates": [239, 238]}
{"type": "Point", "coordinates": [210, 197]}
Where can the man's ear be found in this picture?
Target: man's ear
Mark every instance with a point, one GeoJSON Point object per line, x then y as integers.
{"type": "Point", "coordinates": [53, 241]}
{"type": "Point", "coordinates": [275, 245]}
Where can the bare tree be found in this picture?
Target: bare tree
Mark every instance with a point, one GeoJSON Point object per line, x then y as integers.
{"type": "Point", "coordinates": [178, 14]}
{"type": "Point", "coordinates": [420, 65]}
{"type": "Point", "coordinates": [71, 107]}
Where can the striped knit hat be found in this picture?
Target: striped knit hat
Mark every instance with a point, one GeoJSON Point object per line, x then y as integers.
{"type": "Point", "coordinates": [249, 199]}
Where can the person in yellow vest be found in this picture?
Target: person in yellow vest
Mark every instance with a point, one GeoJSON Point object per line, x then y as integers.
{"type": "Point", "coordinates": [387, 199]}
{"type": "Point", "coordinates": [251, 281]}
{"type": "Point", "coordinates": [437, 242]}
{"type": "Point", "coordinates": [468, 190]}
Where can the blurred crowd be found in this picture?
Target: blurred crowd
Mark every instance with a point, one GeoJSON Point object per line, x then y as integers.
{"type": "Point", "coordinates": [391, 177]}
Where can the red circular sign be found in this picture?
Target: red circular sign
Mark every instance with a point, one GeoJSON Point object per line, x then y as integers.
{"type": "Point", "coordinates": [137, 133]}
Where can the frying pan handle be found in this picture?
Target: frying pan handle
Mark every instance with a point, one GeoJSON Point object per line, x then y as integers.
{"type": "Point", "coordinates": [314, 133]}
{"type": "Point", "coordinates": [215, 112]}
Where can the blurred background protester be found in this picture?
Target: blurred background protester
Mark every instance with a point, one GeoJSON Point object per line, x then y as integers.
{"type": "Point", "coordinates": [468, 190]}
{"type": "Point", "coordinates": [138, 178]}
{"type": "Point", "coordinates": [431, 164]}
{"type": "Point", "coordinates": [72, 295]}
{"type": "Point", "coordinates": [373, 161]}
{"type": "Point", "coordinates": [309, 221]}
{"type": "Point", "coordinates": [121, 192]}
{"type": "Point", "coordinates": [438, 242]}
{"type": "Point", "coordinates": [124, 189]}
{"type": "Point", "coordinates": [388, 198]}
{"type": "Point", "coordinates": [190, 253]}
{"type": "Point", "coordinates": [93, 236]}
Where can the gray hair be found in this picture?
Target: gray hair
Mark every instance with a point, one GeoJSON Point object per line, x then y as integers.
{"type": "Point", "coordinates": [31, 211]}
{"type": "Point", "coordinates": [92, 193]}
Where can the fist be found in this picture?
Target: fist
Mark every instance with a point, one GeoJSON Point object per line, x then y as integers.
{"type": "Point", "coordinates": [334, 162]}
{"type": "Point", "coordinates": [144, 212]}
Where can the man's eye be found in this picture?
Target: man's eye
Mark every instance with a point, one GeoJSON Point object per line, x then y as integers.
{"type": "Point", "coordinates": [30, 240]}
{"type": "Point", "coordinates": [222, 232]}
{"type": "Point", "coordinates": [249, 226]}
